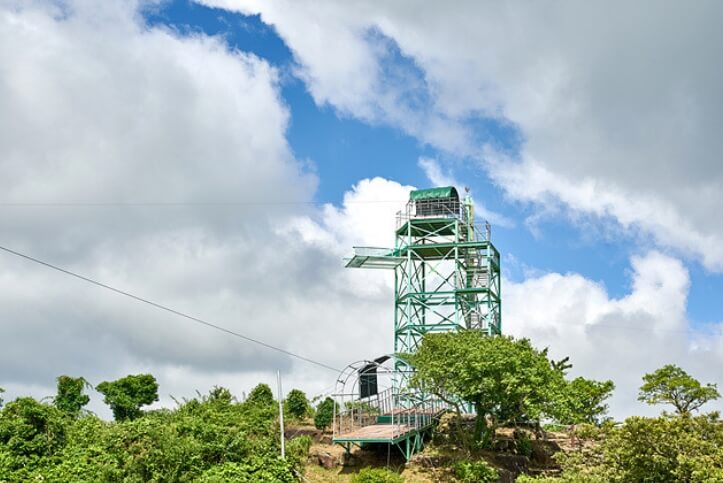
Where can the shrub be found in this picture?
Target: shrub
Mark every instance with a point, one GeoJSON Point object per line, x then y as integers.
{"type": "Point", "coordinates": [523, 444]}
{"type": "Point", "coordinates": [475, 471]}
{"type": "Point", "coordinates": [257, 468]}
{"type": "Point", "coordinates": [296, 405]}
{"type": "Point", "coordinates": [324, 414]}
{"type": "Point", "coordinates": [376, 475]}
{"type": "Point", "coordinates": [261, 395]}
{"type": "Point", "coordinates": [651, 449]}
{"type": "Point", "coordinates": [297, 449]}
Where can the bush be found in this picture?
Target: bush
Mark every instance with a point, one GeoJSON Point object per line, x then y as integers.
{"type": "Point", "coordinates": [475, 471]}
{"type": "Point", "coordinates": [297, 450]}
{"type": "Point", "coordinates": [254, 469]}
{"type": "Point", "coordinates": [296, 404]}
{"type": "Point", "coordinates": [324, 414]}
{"type": "Point", "coordinates": [209, 438]}
{"type": "Point", "coordinates": [651, 449]}
{"type": "Point", "coordinates": [261, 395]}
{"type": "Point", "coordinates": [523, 443]}
{"type": "Point", "coordinates": [376, 475]}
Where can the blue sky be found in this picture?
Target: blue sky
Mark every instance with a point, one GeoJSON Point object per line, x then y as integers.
{"type": "Point", "coordinates": [344, 150]}
{"type": "Point", "coordinates": [601, 170]}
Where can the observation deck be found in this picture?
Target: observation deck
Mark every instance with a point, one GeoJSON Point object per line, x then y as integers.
{"type": "Point", "coordinates": [364, 415]}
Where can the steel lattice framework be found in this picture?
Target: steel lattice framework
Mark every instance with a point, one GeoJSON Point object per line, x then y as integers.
{"type": "Point", "coordinates": [446, 270]}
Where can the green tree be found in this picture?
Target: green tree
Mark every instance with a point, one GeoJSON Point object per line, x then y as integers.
{"type": "Point", "coordinates": [70, 398]}
{"type": "Point", "coordinates": [126, 395]}
{"type": "Point", "coordinates": [324, 414]}
{"type": "Point", "coordinates": [208, 438]}
{"type": "Point", "coordinates": [581, 401]}
{"type": "Point", "coordinates": [660, 449]}
{"type": "Point", "coordinates": [296, 404]}
{"type": "Point", "coordinates": [672, 385]}
{"type": "Point", "coordinates": [261, 395]}
{"type": "Point", "coordinates": [1, 399]}
{"type": "Point", "coordinates": [506, 380]}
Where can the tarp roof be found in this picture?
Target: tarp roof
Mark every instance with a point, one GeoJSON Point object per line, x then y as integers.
{"type": "Point", "coordinates": [434, 194]}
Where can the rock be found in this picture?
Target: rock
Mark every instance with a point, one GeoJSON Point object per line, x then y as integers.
{"type": "Point", "coordinates": [326, 460]}
{"type": "Point", "coordinates": [506, 476]}
{"type": "Point", "coordinates": [543, 451]}
{"type": "Point", "coordinates": [516, 464]}
{"type": "Point", "coordinates": [502, 445]}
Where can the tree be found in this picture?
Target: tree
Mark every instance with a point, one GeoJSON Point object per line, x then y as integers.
{"type": "Point", "coordinates": [261, 395]}
{"type": "Point", "coordinates": [672, 385]}
{"type": "Point", "coordinates": [581, 401]}
{"type": "Point", "coordinates": [296, 404]}
{"type": "Point", "coordinates": [324, 414]}
{"type": "Point", "coordinates": [70, 398]}
{"type": "Point", "coordinates": [126, 395]}
{"type": "Point", "coordinates": [507, 380]}
{"type": "Point", "coordinates": [649, 449]}
{"type": "Point", "coordinates": [1, 399]}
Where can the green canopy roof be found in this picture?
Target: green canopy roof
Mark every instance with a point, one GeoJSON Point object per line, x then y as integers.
{"type": "Point", "coordinates": [434, 194]}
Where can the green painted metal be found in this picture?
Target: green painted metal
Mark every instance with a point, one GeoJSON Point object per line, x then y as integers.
{"type": "Point", "coordinates": [434, 193]}
{"type": "Point", "coordinates": [449, 279]}
{"type": "Point", "coordinates": [446, 276]}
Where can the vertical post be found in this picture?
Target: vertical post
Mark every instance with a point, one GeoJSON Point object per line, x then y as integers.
{"type": "Point", "coordinates": [281, 414]}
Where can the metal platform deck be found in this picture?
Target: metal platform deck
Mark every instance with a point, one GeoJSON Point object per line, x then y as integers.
{"type": "Point", "coordinates": [376, 433]}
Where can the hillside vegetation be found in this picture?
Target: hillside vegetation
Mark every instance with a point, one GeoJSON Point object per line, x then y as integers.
{"type": "Point", "coordinates": [531, 423]}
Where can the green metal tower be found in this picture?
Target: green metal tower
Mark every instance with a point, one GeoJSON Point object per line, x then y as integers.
{"type": "Point", "coordinates": [446, 270]}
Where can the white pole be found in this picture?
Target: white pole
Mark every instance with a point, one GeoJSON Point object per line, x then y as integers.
{"type": "Point", "coordinates": [281, 414]}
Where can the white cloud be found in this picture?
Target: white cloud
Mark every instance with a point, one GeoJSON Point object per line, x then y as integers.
{"type": "Point", "coordinates": [435, 174]}
{"type": "Point", "coordinates": [98, 107]}
{"type": "Point", "coordinates": [619, 339]}
{"type": "Point", "coordinates": [619, 105]}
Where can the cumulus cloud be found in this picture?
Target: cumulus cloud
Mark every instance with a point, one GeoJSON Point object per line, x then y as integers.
{"type": "Point", "coordinates": [438, 177]}
{"type": "Point", "coordinates": [97, 106]}
{"type": "Point", "coordinates": [619, 339]}
{"type": "Point", "coordinates": [618, 104]}
{"type": "Point", "coordinates": [154, 162]}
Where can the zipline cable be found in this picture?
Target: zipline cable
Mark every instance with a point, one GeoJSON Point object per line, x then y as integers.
{"type": "Point", "coordinates": [167, 309]}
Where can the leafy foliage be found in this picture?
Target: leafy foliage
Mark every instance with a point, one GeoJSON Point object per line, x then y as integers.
{"type": "Point", "coordinates": [324, 414]}
{"type": "Point", "coordinates": [1, 399]}
{"type": "Point", "coordinates": [475, 472]}
{"type": "Point", "coordinates": [29, 431]}
{"type": "Point", "coordinates": [672, 385]}
{"type": "Point", "coordinates": [506, 380]}
{"type": "Point", "coordinates": [261, 395]}
{"type": "Point", "coordinates": [297, 449]}
{"type": "Point", "coordinates": [126, 395]}
{"type": "Point", "coordinates": [376, 475]}
{"type": "Point", "coordinates": [209, 438]}
{"type": "Point", "coordinates": [660, 449]}
{"type": "Point", "coordinates": [582, 401]}
{"type": "Point", "coordinates": [296, 404]}
{"type": "Point", "coordinates": [70, 398]}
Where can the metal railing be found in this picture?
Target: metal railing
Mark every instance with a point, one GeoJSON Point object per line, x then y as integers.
{"type": "Point", "coordinates": [441, 209]}
{"type": "Point", "coordinates": [405, 412]}
{"type": "Point", "coordinates": [431, 209]}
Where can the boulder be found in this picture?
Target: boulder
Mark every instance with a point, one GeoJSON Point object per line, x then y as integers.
{"type": "Point", "coordinates": [327, 460]}
{"type": "Point", "coordinates": [516, 464]}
